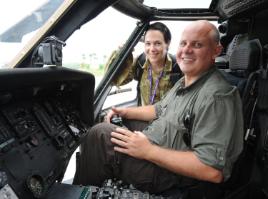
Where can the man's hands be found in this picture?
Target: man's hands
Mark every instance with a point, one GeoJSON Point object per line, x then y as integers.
{"type": "Point", "coordinates": [115, 111]}
{"type": "Point", "coordinates": [135, 144]}
{"type": "Point", "coordinates": [186, 163]}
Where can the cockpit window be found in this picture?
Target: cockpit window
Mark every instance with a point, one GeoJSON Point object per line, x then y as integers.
{"type": "Point", "coordinates": [89, 48]}
{"type": "Point", "coordinates": [177, 4]}
{"type": "Point", "coordinates": [20, 20]}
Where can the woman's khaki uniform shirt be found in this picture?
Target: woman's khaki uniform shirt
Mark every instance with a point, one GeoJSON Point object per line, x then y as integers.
{"type": "Point", "coordinates": [127, 75]}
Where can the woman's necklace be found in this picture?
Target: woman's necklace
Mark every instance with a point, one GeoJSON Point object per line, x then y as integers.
{"type": "Point", "coordinates": [150, 78]}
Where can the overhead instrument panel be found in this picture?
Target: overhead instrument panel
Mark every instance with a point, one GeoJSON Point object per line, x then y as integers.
{"type": "Point", "coordinates": [231, 8]}
{"type": "Point", "coordinates": [44, 114]}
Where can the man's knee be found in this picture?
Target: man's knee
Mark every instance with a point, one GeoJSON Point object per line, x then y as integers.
{"type": "Point", "coordinates": [97, 132]}
{"type": "Point", "coordinates": [102, 128]}
{"type": "Point", "coordinates": [98, 135]}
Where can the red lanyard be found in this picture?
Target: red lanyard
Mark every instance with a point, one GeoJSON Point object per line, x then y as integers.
{"type": "Point", "coordinates": [150, 78]}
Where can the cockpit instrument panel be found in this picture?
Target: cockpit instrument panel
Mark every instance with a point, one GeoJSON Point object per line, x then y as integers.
{"type": "Point", "coordinates": [44, 114]}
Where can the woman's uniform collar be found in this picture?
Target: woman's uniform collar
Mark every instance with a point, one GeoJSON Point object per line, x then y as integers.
{"type": "Point", "coordinates": [167, 67]}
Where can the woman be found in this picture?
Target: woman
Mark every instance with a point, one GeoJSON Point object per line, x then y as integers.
{"type": "Point", "coordinates": [155, 70]}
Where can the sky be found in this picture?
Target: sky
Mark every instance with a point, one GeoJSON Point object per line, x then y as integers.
{"type": "Point", "coordinates": [178, 3]}
{"type": "Point", "coordinates": [12, 11]}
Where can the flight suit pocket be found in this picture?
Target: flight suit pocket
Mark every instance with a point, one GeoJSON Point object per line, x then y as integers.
{"type": "Point", "coordinates": [175, 136]}
{"type": "Point", "coordinates": [178, 141]}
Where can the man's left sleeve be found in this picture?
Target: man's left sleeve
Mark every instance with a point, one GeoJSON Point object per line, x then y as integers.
{"type": "Point", "coordinates": [217, 134]}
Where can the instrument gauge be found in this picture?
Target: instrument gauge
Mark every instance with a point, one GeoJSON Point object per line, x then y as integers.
{"type": "Point", "coordinates": [36, 185]}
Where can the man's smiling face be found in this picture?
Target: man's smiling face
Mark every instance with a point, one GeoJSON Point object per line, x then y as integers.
{"type": "Point", "coordinates": [197, 49]}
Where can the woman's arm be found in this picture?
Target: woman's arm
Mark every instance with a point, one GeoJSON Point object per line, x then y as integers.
{"type": "Point", "coordinates": [124, 76]}
{"type": "Point", "coordinates": [144, 113]}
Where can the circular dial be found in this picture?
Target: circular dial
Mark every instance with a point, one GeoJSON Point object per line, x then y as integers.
{"type": "Point", "coordinates": [36, 185]}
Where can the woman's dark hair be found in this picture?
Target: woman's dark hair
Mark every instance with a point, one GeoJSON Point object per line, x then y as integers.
{"type": "Point", "coordinates": [162, 28]}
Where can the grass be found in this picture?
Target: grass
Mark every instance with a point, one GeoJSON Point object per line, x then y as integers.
{"type": "Point", "coordinates": [97, 71]}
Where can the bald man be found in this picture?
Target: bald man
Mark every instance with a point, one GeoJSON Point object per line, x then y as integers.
{"type": "Point", "coordinates": [195, 134]}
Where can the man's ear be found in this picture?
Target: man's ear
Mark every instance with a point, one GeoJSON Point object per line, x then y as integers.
{"type": "Point", "coordinates": [218, 50]}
